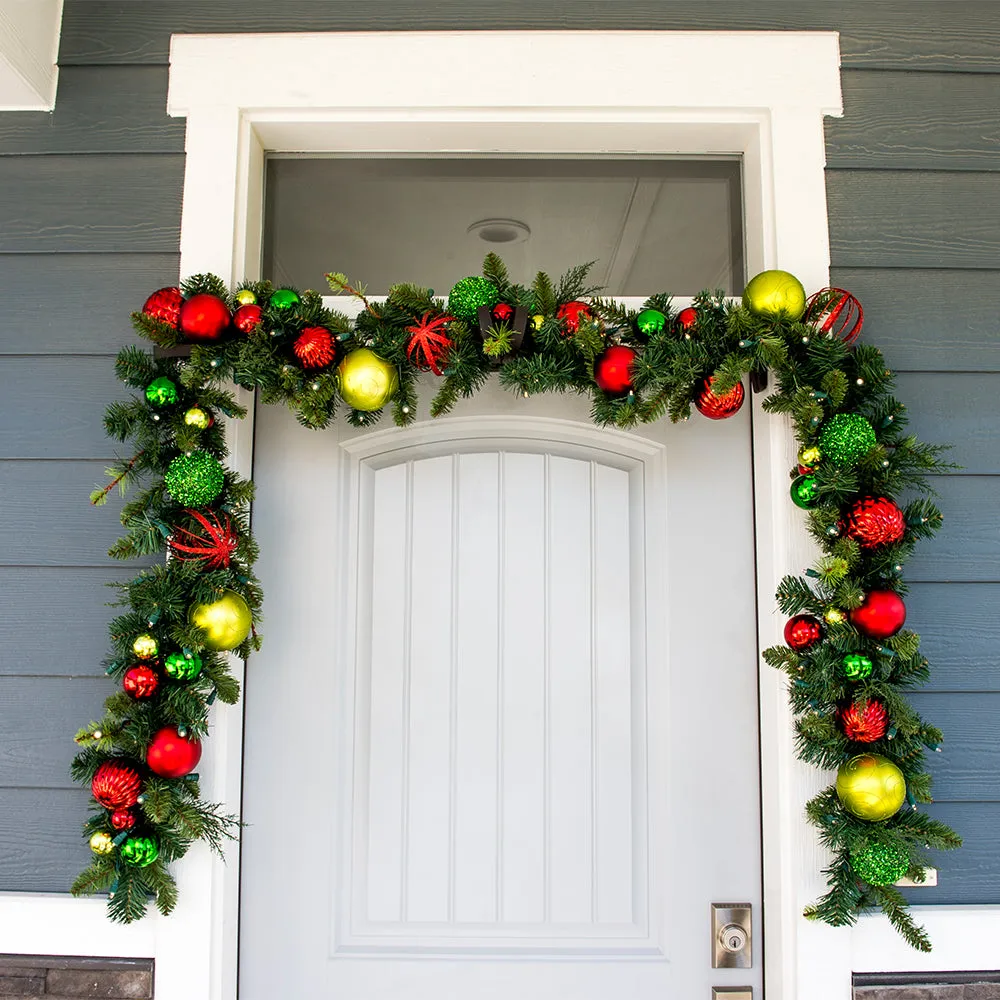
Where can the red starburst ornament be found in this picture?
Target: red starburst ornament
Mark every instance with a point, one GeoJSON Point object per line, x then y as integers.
{"type": "Point", "coordinates": [429, 345]}
{"type": "Point", "coordinates": [571, 313]}
{"type": "Point", "coordinates": [115, 785]}
{"type": "Point", "coordinates": [165, 305]}
{"type": "Point", "coordinates": [214, 542]}
{"type": "Point", "coordinates": [718, 407]}
{"type": "Point", "coordinates": [875, 521]}
{"type": "Point", "coordinates": [140, 681]}
{"type": "Point", "coordinates": [865, 722]}
{"type": "Point", "coordinates": [502, 312]}
{"type": "Point", "coordinates": [836, 313]}
{"type": "Point", "coordinates": [315, 347]}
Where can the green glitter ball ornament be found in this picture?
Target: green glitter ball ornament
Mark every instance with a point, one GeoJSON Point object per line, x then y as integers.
{"type": "Point", "coordinates": [857, 667]}
{"type": "Point", "coordinates": [650, 321]}
{"type": "Point", "coordinates": [804, 491]}
{"type": "Point", "coordinates": [140, 851]}
{"type": "Point", "coordinates": [846, 438]}
{"type": "Point", "coordinates": [284, 298]}
{"type": "Point", "coordinates": [181, 667]}
{"type": "Point", "coordinates": [880, 864]}
{"type": "Point", "coordinates": [195, 479]}
{"type": "Point", "coordinates": [470, 294]}
{"type": "Point", "coordinates": [161, 392]}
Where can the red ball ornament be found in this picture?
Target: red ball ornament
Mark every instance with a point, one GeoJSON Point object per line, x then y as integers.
{"type": "Point", "coordinates": [315, 347]}
{"type": "Point", "coordinates": [204, 317]}
{"type": "Point", "coordinates": [687, 318]}
{"type": "Point", "coordinates": [865, 722]}
{"type": "Point", "coordinates": [802, 631]}
{"type": "Point", "coordinates": [875, 521]}
{"type": "Point", "coordinates": [718, 407]}
{"type": "Point", "coordinates": [613, 369]}
{"type": "Point", "coordinates": [123, 819]}
{"type": "Point", "coordinates": [141, 681]}
{"type": "Point", "coordinates": [247, 318]}
{"type": "Point", "coordinates": [115, 785]}
{"type": "Point", "coordinates": [836, 313]}
{"type": "Point", "coordinates": [571, 313]}
{"type": "Point", "coordinates": [165, 305]}
{"type": "Point", "coordinates": [171, 755]}
{"type": "Point", "coordinates": [502, 311]}
{"type": "Point", "coordinates": [882, 614]}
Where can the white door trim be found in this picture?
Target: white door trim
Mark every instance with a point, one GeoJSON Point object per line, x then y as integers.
{"type": "Point", "coordinates": [762, 95]}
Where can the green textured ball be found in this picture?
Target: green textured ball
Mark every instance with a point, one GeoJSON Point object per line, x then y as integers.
{"type": "Point", "coordinates": [804, 491]}
{"type": "Point", "coordinates": [195, 479]}
{"type": "Point", "coordinates": [470, 294]}
{"type": "Point", "coordinates": [846, 438]}
{"type": "Point", "coordinates": [881, 864]}
{"type": "Point", "coordinates": [140, 851]}
{"type": "Point", "coordinates": [161, 392]}
{"type": "Point", "coordinates": [650, 321]}
{"type": "Point", "coordinates": [857, 667]}
{"type": "Point", "coordinates": [284, 298]}
{"type": "Point", "coordinates": [179, 667]}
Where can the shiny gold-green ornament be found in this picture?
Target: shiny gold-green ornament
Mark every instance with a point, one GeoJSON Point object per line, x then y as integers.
{"type": "Point", "coordinates": [834, 616]}
{"type": "Point", "coordinates": [140, 851]}
{"type": "Point", "coordinates": [245, 297]}
{"type": "Point", "coordinates": [650, 321]}
{"type": "Point", "coordinates": [846, 438]}
{"type": "Point", "coordinates": [367, 382]}
{"type": "Point", "coordinates": [775, 293]}
{"type": "Point", "coordinates": [881, 864]}
{"type": "Point", "coordinates": [536, 322]}
{"type": "Point", "coordinates": [871, 787]}
{"type": "Point", "coordinates": [182, 667]}
{"type": "Point", "coordinates": [225, 622]}
{"type": "Point", "coordinates": [471, 294]}
{"type": "Point", "coordinates": [804, 491]}
{"type": "Point", "coordinates": [284, 298]}
{"type": "Point", "coordinates": [145, 646]}
{"type": "Point", "coordinates": [810, 456]}
{"type": "Point", "coordinates": [198, 418]}
{"type": "Point", "coordinates": [196, 479]}
{"type": "Point", "coordinates": [856, 667]}
{"type": "Point", "coordinates": [102, 842]}
{"type": "Point", "coordinates": [161, 392]}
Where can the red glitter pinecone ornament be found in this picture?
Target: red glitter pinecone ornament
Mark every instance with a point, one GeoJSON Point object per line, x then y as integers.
{"type": "Point", "coordinates": [875, 521]}
{"type": "Point", "coordinates": [865, 722]}
{"type": "Point", "coordinates": [115, 785]}
{"type": "Point", "coordinates": [165, 305]}
{"type": "Point", "coordinates": [718, 407]}
{"type": "Point", "coordinates": [315, 347]}
{"type": "Point", "coordinates": [123, 819]}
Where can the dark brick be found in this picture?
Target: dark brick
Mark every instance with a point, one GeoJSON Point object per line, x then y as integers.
{"type": "Point", "coordinates": [982, 991]}
{"type": "Point", "coordinates": [22, 984]}
{"type": "Point", "coordinates": [109, 985]}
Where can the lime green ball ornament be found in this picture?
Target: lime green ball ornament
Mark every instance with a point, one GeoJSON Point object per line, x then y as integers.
{"type": "Point", "coordinates": [367, 382]}
{"type": "Point", "coordinates": [198, 418]}
{"type": "Point", "coordinates": [471, 294]}
{"type": "Point", "coordinates": [225, 622]}
{"type": "Point", "coordinates": [195, 479]}
{"type": "Point", "coordinates": [140, 851]}
{"type": "Point", "coordinates": [182, 666]}
{"type": "Point", "coordinates": [871, 787]}
{"type": "Point", "coordinates": [284, 298]}
{"type": "Point", "coordinates": [804, 491]}
{"type": "Point", "coordinates": [856, 667]}
{"type": "Point", "coordinates": [650, 321]}
{"type": "Point", "coordinates": [846, 438]}
{"type": "Point", "coordinates": [881, 864]}
{"type": "Point", "coordinates": [775, 293]}
{"type": "Point", "coordinates": [245, 297]}
{"type": "Point", "coordinates": [161, 392]}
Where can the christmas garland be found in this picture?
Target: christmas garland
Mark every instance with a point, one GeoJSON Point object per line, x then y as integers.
{"type": "Point", "coordinates": [848, 658]}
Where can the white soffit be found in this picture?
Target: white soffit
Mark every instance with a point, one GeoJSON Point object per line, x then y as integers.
{"type": "Point", "coordinates": [29, 47]}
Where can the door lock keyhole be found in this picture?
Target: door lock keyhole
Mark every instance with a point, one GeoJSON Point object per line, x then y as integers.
{"type": "Point", "coordinates": [733, 938]}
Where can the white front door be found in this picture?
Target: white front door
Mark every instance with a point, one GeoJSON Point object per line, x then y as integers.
{"type": "Point", "coordinates": [501, 742]}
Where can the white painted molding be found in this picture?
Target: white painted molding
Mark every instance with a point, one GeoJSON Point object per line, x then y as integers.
{"type": "Point", "coordinates": [29, 48]}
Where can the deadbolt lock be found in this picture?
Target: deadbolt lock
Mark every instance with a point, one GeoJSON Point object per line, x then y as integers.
{"type": "Point", "coordinates": [731, 944]}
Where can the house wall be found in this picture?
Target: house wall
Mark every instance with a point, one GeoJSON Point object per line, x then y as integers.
{"type": "Point", "coordinates": [89, 224]}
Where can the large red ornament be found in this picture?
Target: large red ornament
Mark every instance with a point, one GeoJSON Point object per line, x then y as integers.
{"type": "Point", "coordinates": [141, 681]}
{"type": "Point", "coordinates": [247, 318]}
{"type": "Point", "coordinates": [315, 347]}
{"type": "Point", "coordinates": [875, 521]}
{"type": "Point", "coordinates": [836, 313]}
{"type": "Point", "coordinates": [613, 369]}
{"type": "Point", "coordinates": [429, 344]}
{"type": "Point", "coordinates": [882, 614]}
{"type": "Point", "coordinates": [802, 631]}
{"type": "Point", "coordinates": [171, 755]}
{"type": "Point", "coordinates": [115, 785]}
{"type": "Point", "coordinates": [865, 722]}
{"type": "Point", "coordinates": [215, 543]}
{"type": "Point", "coordinates": [123, 819]}
{"type": "Point", "coordinates": [687, 318]}
{"type": "Point", "coordinates": [718, 407]}
{"type": "Point", "coordinates": [165, 305]}
{"type": "Point", "coordinates": [204, 317]}
{"type": "Point", "coordinates": [571, 313]}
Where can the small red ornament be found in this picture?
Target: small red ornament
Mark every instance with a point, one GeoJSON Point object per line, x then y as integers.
{"type": "Point", "coordinates": [204, 317]}
{"type": "Point", "coordinates": [875, 521]}
{"type": "Point", "coordinates": [115, 785]}
{"type": "Point", "coordinates": [165, 305]}
{"type": "Point", "coordinates": [247, 318]}
{"type": "Point", "coordinates": [687, 318]}
{"type": "Point", "coordinates": [502, 311]}
{"type": "Point", "coordinates": [429, 344]}
{"type": "Point", "coordinates": [836, 313]}
{"type": "Point", "coordinates": [141, 681]}
{"type": "Point", "coordinates": [613, 369]}
{"type": "Point", "coordinates": [802, 631]}
{"type": "Point", "coordinates": [215, 543]}
{"type": "Point", "coordinates": [315, 347]}
{"type": "Point", "coordinates": [882, 614]}
{"type": "Point", "coordinates": [171, 755]}
{"type": "Point", "coordinates": [123, 819]}
{"type": "Point", "coordinates": [571, 313]}
{"type": "Point", "coordinates": [865, 722]}
{"type": "Point", "coordinates": [718, 407]}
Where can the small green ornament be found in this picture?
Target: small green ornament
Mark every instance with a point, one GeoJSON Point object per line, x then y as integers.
{"type": "Point", "coordinates": [161, 392]}
{"type": "Point", "coordinates": [245, 297]}
{"type": "Point", "coordinates": [804, 491]}
{"type": "Point", "coordinates": [140, 851]}
{"type": "Point", "coordinates": [650, 321]}
{"type": "Point", "coordinates": [881, 864]}
{"type": "Point", "coordinates": [198, 418]}
{"type": "Point", "coordinates": [846, 438]}
{"type": "Point", "coordinates": [195, 479]}
{"type": "Point", "coordinates": [284, 298]}
{"type": "Point", "coordinates": [857, 667]}
{"type": "Point", "coordinates": [469, 295]}
{"type": "Point", "coordinates": [181, 667]}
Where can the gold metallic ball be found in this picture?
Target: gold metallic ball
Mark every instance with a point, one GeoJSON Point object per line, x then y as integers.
{"type": "Point", "coordinates": [225, 622]}
{"type": "Point", "coordinates": [775, 293]}
{"type": "Point", "coordinates": [145, 646]}
{"type": "Point", "coordinates": [536, 321]}
{"type": "Point", "coordinates": [366, 381]}
{"type": "Point", "coordinates": [102, 843]}
{"type": "Point", "coordinates": [198, 418]}
{"type": "Point", "coordinates": [871, 787]}
{"type": "Point", "coordinates": [834, 616]}
{"type": "Point", "coordinates": [245, 297]}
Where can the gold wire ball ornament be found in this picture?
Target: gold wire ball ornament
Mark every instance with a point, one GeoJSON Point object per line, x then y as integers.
{"type": "Point", "coordinates": [871, 787]}
{"type": "Point", "coordinates": [367, 382]}
{"type": "Point", "coordinates": [225, 622]}
{"type": "Point", "coordinates": [775, 293]}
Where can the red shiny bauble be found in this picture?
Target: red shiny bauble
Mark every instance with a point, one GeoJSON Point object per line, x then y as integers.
{"type": "Point", "coordinates": [571, 313]}
{"type": "Point", "coordinates": [718, 407]}
{"type": "Point", "coordinates": [865, 723]}
{"type": "Point", "coordinates": [141, 681]}
{"type": "Point", "coordinates": [882, 614]}
{"type": "Point", "coordinates": [613, 369]}
{"type": "Point", "coordinates": [315, 347]}
{"type": "Point", "coordinates": [171, 755]}
{"type": "Point", "coordinates": [247, 317]}
{"type": "Point", "coordinates": [836, 313]}
{"type": "Point", "coordinates": [687, 318]}
{"type": "Point", "coordinates": [875, 521]}
{"type": "Point", "coordinates": [115, 785]}
{"type": "Point", "coordinates": [502, 311]}
{"type": "Point", "coordinates": [123, 819]}
{"type": "Point", "coordinates": [802, 631]}
{"type": "Point", "coordinates": [204, 317]}
{"type": "Point", "coordinates": [165, 305]}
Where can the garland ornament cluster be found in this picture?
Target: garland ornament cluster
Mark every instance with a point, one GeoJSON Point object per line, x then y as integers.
{"type": "Point", "coordinates": [848, 658]}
